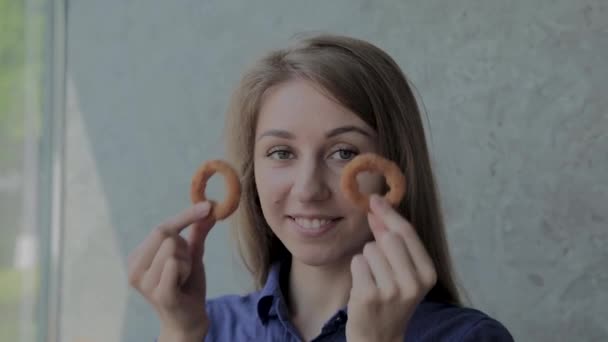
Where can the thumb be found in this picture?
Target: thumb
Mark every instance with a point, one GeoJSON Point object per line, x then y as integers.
{"type": "Point", "coordinates": [376, 225]}
{"type": "Point", "coordinates": [196, 244]}
{"type": "Point", "coordinates": [198, 235]}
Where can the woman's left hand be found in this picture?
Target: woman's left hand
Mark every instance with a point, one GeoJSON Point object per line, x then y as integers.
{"type": "Point", "coordinates": [390, 278]}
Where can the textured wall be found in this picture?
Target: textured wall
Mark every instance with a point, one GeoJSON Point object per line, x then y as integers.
{"type": "Point", "coordinates": [516, 98]}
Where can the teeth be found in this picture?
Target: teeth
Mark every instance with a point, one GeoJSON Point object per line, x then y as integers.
{"type": "Point", "coordinates": [311, 224]}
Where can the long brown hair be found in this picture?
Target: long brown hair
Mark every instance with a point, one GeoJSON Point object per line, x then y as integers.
{"type": "Point", "coordinates": [367, 81]}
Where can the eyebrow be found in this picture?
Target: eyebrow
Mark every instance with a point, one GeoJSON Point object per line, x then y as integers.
{"type": "Point", "coordinates": [347, 129]}
{"type": "Point", "coordinates": [277, 133]}
{"type": "Point", "coordinates": [334, 132]}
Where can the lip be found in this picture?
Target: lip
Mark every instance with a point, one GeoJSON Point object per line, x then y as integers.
{"type": "Point", "coordinates": [313, 216]}
{"type": "Point", "coordinates": [313, 233]}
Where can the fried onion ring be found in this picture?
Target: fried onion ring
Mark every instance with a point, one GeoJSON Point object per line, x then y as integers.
{"type": "Point", "coordinates": [372, 162]}
{"type": "Point", "coordinates": [233, 187]}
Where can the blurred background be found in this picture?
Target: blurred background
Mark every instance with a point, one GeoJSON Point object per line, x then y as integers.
{"type": "Point", "coordinates": [108, 107]}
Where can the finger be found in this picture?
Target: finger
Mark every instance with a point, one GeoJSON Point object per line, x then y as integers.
{"type": "Point", "coordinates": [142, 258]}
{"type": "Point", "coordinates": [400, 261]}
{"type": "Point", "coordinates": [381, 270]}
{"type": "Point", "coordinates": [172, 247]}
{"type": "Point", "coordinates": [167, 292]}
{"type": "Point", "coordinates": [179, 222]}
{"type": "Point", "coordinates": [363, 280]}
{"type": "Point", "coordinates": [394, 222]}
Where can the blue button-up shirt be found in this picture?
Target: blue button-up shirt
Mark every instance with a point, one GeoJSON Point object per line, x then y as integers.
{"type": "Point", "coordinates": [263, 316]}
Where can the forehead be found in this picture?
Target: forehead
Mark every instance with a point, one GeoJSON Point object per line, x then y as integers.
{"type": "Point", "coordinates": [300, 104]}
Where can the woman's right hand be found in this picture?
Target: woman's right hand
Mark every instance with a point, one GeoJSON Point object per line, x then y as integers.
{"type": "Point", "coordinates": [168, 271]}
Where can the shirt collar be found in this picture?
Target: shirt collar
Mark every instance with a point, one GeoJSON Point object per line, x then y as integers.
{"type": "Point", "coordinates": [271, 301]}
{"type": "Point", "coordinates": [270, 295]}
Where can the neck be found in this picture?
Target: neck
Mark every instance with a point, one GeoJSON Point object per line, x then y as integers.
{"type": "Point", "coordinates": [318, 292]}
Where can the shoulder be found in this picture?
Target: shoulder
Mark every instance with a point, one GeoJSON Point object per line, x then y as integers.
{"type": "Point", "coordinates": [440, 321]}
{"type": "Point", "coordinates": [235, 306]}
{"type": "Point", "coordinates": [234, 300]}
{"type": "Point", "coordinates": [232, 317]}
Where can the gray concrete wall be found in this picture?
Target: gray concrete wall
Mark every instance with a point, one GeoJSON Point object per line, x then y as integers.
{"type": "Point", "coordinates": [517, 103]}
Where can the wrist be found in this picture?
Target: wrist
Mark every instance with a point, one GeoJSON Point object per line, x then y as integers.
{"type": "Point", "coordinates": [173, 335]}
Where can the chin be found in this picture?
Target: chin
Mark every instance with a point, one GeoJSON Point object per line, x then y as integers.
{"type": "Point", "coordinates": [312, 259]}
{"type": "Point", "coordinates": [319, 255]}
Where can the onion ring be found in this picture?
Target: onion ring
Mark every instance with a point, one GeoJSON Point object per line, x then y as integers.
{"type": "Point", "coordinates": [233, 187]}
{"type": "Point", "coordinates": [372, 162]}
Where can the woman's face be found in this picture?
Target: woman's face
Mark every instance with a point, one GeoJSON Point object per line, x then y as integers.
{"type": "Point", "coordinates": [303, 140]}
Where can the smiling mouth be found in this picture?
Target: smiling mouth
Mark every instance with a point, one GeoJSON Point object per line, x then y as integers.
{"type": "Point", "coordinates": [314, 223]}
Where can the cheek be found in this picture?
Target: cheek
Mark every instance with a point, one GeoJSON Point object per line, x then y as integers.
{"type": "Point", "coordinates": [272, 184]}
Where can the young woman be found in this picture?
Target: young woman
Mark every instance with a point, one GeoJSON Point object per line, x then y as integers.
{"type": "Point", "coordinates": [324, 270]}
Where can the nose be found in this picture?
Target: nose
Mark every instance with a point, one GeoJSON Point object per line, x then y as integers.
{"type": "Point", "coordinates": [310, 184]}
